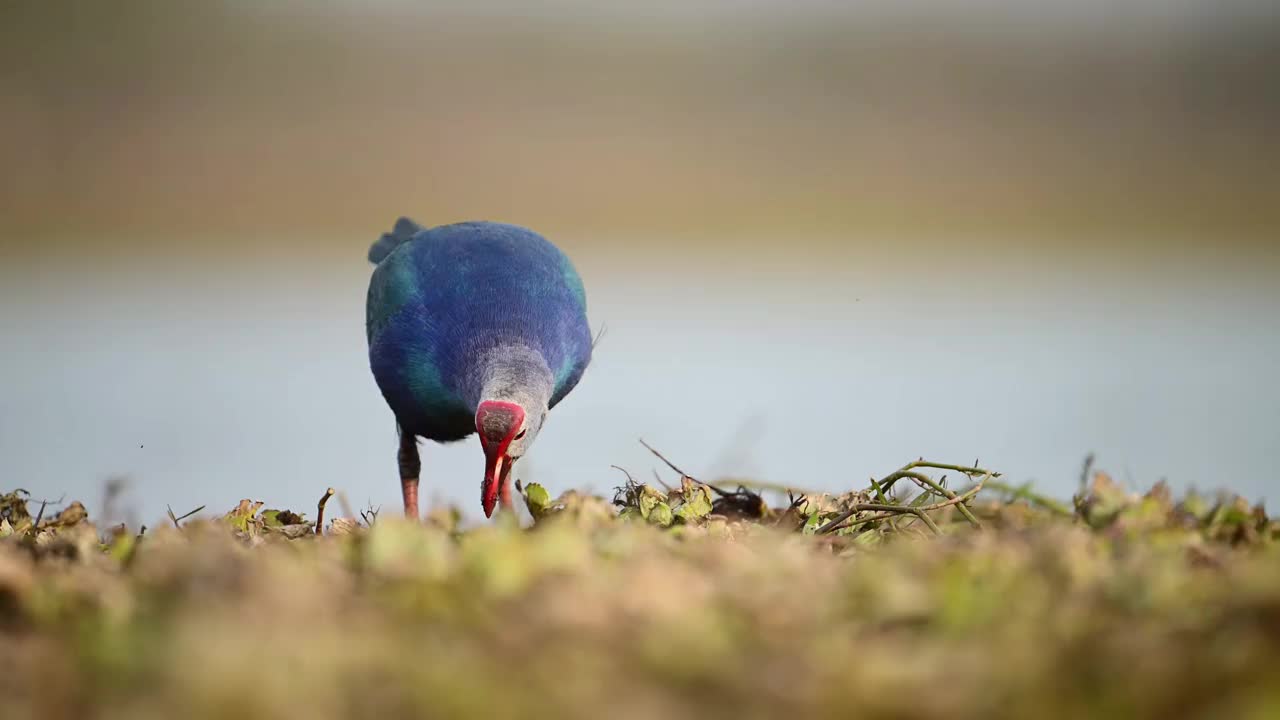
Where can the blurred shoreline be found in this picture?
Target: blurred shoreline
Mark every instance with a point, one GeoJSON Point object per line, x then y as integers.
{"type": "Point", "coordinates": [228, 119]}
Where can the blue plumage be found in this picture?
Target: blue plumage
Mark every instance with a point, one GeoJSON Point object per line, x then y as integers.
{"type": "Point", "coordinates": [473, 314]}
{"type": "Point", "coordinates": [403, 232]}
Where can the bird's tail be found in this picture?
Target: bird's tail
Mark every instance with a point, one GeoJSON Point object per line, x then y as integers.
{"type": "Point", "coordinates": [403, 232]}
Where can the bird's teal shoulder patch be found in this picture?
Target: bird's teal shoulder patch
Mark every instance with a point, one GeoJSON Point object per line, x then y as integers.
{"type": "Point", "coordinates": [565, 372]}
{"type": "Point", "coordinates": [574, 281]}
{"type": "Point", "coordinates": [427, 386]}
{"type": "Point", "coordinates": [393, 285]}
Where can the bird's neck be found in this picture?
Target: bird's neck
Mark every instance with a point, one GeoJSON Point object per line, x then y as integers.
{"type": "Point", "coordinates": [512, 373]}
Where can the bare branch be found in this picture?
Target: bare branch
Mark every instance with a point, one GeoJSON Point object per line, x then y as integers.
{"type": "Point", "coordinates": [927, 482]}
{"type": "Point", "coordinates": [665, 460]}
{"type": "Point", "coordinates": [1084, 473]}
{"type": "Point", "coordinates": [624, 472]}
{"type": "Point", "coordinates": [836, 522]}
{"type": "Point", "coordinates": [177, 520]}
{"type": "Point", "coordinates": [35, 526]}
{"type": "Point", "coordinates": [324, 500]}
{"type": "Point", "coordinates": [924, 517]}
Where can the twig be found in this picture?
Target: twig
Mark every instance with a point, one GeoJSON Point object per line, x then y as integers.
{"type": "Point", "coordinates": [624, 472]}
{"type": "Point", "coordinates": [35, 526]}
{"type": "Point", "coordinates": [324, 499]}
{"type": "Point", "coordinates": [878, 487]}
{"type": "Point", "coordinates": [742, 490]}
{"type": "Point", "coordinates": [928, 483]}
{"type": "Point", "coordinates": [1024, 493]}
{"type": "Point", "coordinates": [879, 492]}
{"type": "Point", "coordinates": [796, 500]}
{"type": "Point", "coordinates": [176, 519]}
{"type": "Point", "coordinates": [757, 484]}
{"type": "Point", "coordinates": [971, 471]}
{"type": "Point", "coordinates": [663, 459]}
{"type": "Point", "coordinates": [924, 517]}
{"type": "Point", "coordinates": [61, 497]}
{"type": "Point", "coordinates": [907, 472]}
{"type": "Point", "coordinates": [869, 519]}
{"type": "Point", "coordinates": [901, 509]}
{"type": "Point", "coordinates": [683, 474]}
{"type": "Point", "coordinates": [1084, 474]}
{"type": "Point", "coordinates": [872, 518]}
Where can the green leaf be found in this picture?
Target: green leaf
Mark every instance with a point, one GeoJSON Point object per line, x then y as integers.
{"type": "Point", "coordinates": [1104, 502]}
{"type": "Point", "coordinates": [660, 514]}
{"type": "Point", "coordinates": [922, 498]}
{"type": "Point", "coordinates": [280, 518]}
{"type": "Point", "coordinates": [868, 539]}
{"type": "Point", "coordinates": [13, 507]}
{"type": "Point", "coordinates": [1195, 505]}
{"type": "Point", "coordinates": [647, 502]}
{"type": "Point", "coordinates": [537, 500]}
{"type": "Point", "coordinates": [243, 515]}
{"type": "Point", "coordinates": [811, 525]}
{"type": "Point", "coordinates": [122, 546]}
{"type": "Point", "coordinates": [697, 503]}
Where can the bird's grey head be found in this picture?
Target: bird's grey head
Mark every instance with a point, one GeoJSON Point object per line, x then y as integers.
{"type": "Point", "coordinates": [506, 430]}
{"type": "Point", "coordinates": [512, 408]}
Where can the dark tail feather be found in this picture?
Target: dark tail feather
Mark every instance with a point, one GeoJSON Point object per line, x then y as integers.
{"type": "Point", "coordinates": [403, 232]}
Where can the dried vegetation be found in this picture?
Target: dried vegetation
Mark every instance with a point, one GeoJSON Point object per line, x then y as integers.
{"type": "Point", "coordinates": [688, 600]}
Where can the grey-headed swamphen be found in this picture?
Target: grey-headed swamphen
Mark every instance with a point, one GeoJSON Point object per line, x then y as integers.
{"type": "Point", "coordinates": [473, 327]}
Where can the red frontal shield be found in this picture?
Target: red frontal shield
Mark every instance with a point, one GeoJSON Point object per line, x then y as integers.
{"type": "Point", "coordinates": [497, 422]}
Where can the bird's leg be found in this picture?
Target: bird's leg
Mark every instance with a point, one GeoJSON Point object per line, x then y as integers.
{"type": "Point", "coordinates": [504, 494]}
{"type": "Point", "coordinates": [410, 469]}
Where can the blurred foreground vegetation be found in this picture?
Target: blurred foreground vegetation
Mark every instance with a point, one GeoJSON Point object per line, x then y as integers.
{"type": "Point", "coordinates": [685, 601]}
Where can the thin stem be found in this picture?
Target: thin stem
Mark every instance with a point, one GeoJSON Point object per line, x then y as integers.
{"type": "Point", "coordinates": [1025, 493]}
{"type": "Point", "coordinates": [177, 520]}
{"type": "Point", "coordinates": [723, 493]}
{"type": "Point", "coordinates": [1084, 473]}
{"type": "Point", "coordinates": [879, 491]}
{"type": "Point", "coordinates": [957, 468]}
{"type": "Point", "coordinates": [902, 509]}
{"type": "Point", "coordinates": [664, 459]}
{"type": "Point", "coordinates": [324, 500]}
{"type": "Point", "coordinates": [924, 517]}
{"type": "Point", "coordinates": [925, 480]}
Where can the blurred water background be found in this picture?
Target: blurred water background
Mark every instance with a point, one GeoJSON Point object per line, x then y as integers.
{"type": "Point", "coordinates": [825, 238]}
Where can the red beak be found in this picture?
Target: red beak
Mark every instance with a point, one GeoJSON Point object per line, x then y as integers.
{"type": "Point", "coordinates": [496, 467]}
{"type": "Point", "coordinates": [497, 422]}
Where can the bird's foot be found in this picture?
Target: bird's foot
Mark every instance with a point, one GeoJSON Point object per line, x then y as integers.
{"type": "Point", "coordinates": [504, 495]}
{"type": "Point", "coordinates": [410, 469]}
{"type": "Point", "coordinates": [409, 488]}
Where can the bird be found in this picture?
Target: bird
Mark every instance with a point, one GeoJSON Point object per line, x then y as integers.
{"type": "Point", "coordinates": [473, 327]}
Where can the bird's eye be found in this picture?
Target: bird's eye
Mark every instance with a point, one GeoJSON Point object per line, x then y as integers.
{"type": "Point", "coordinates": [521, 433]}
